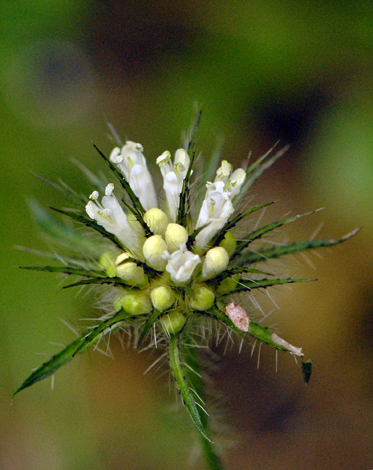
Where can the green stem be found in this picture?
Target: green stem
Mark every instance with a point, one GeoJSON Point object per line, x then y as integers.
{"type": "Point", "coordinates": [211, 457]}
{"type": "Point", "coordinates": [197, 383]}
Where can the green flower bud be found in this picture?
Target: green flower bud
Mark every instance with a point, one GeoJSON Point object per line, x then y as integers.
{"type": "Point", "coordinates": [216, 261]}
{"type": "Point", "coordinates": [162, 297]}
{"type": "Point", "coordinates": [202, 297]}
{"type": "Point", "coordinates": [118, 302]}
{"type": "Point", "coordinates": [229, 243]}
{"type": "Point", "coordinates": [228, 284]}
{"type": "Point", "coordinates": [153, 249]}
{"type": "Point", "coordinates": [156, 220]}
{"type": "Point", "coordinates": [135, 302]}
{"type": "Point", "coordinates": [173, 322]}
{"type": "Point", "coordinates": [176, 236]}
{"type": "Point", "coordinates": [129, 271]}
{"type": "Point", "coordinates": [107, 262]}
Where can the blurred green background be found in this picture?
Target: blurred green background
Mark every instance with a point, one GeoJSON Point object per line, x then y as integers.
{"type": "Point", "coordinates": [298, 72]}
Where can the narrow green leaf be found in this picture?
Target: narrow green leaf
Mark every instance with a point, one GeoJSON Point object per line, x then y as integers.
{"type": "Point", "coordinates": [65, 189]}
{"type": "Point", "coordinates": [59, 232]}
{"type": "Point", "coordinates": [148, 324]}
{"type": "Point", "coordinates": [255, 171]}
{"type": "Point", "coordinates": [207, 167]}
{"type": "Point", "coordinates": [137, 210]}
{"type": "Point", "coordinates": [65, 270]}
{"type": "Point", "coordinates": [148, 232]}
{"type": "Point", "coordinates": [182, 385]}
{"type": "Point", "coordinates": [77, 346]}
{"type": "Point", "coordinates": [248, 285]}
{"type": "Point", "coordinates": [240, 270]}
{"type": "Point", "coordinates": [115, 281]}
{"type": "Point", "coordinates": [256, 234]}
{"type": "Point", "coordinates": [125, 185]}
{"type": "Point", "coordinates": [259, 332]}
{"type": "Point", "coordinates": [193, 236]}
{"type": "Point", "coordinates": [96, 181]}
{"type": "Point", "coordinates": [232, 223]}
{"type": "Point", "coordinates": [250, 257]}
{"type": "Point", "coordinates": [90, 223]}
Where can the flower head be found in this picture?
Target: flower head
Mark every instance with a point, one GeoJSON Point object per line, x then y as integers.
{"type": "Point", "coordinates": [164, 273]}
{"type": "Point", "coordinates": [110, 215]}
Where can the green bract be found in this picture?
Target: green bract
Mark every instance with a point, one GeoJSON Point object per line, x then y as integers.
{"type": "Point", "coordinates": [164, 271]}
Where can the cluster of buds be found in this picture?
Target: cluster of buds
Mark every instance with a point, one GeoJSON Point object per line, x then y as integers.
{"type": "Point", "coordinates": [164, 270]}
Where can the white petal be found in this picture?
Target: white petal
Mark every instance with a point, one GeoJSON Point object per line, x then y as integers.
{"type": "Point", "coordinates": [115, 156]}
{"type": "Point", "coordinates": [181, 265]}
{"type": "Point", "coordinates": [142, 184]}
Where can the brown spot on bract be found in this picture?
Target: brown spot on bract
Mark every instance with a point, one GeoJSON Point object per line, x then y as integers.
{"type": "Point", "coordinates": [238, 316]}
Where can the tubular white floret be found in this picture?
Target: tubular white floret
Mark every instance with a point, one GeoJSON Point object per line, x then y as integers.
{"type": "Point", "coordinates": [232, 181]}
{"type": "Point", "coordinates": [223, 173]}
{"type": "Point", "coordinates": [181, 265]}
{"type": "Point", "coordinates": [132, 164]}
{"type": "Point", "coordinates": [217, 205]}
{"type": "Point", "coordinates": [237, 179]}
{"type": "Point", "coordinates": [173, 177]}
{"type": "Point", "coordinates": [110, 215]}
{"type": "Point", "coordinates": [215, 211]}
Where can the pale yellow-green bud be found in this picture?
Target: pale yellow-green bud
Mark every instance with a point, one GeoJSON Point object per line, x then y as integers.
{"type": "Point", "coordinates": [107, 262]}
{"type": "Point", "coordinates": [118, 302]}
{"type": "Point", "coordinates": [129, 271]}
{"type": "Point", "coordinates": [162, 297]}
{"type": "Point", "coordinates": [156, 220]}
{"type": "Point", "coordinates": [176, 236]}
{"type": "Point", "coordinates": [216, 261]}
{"type": "Point", "coordinates": [135, 302]}
{"type": "Point", "coordinates": [153, 249]}
{"type": "Point", "coordinates": [228, 284]}
{"type": "Point", "coordinates": [173, 322]}
{"type": "Point", "coordinates": [229, 243]}
{"type": "Point", "coordinates": [202, 297]}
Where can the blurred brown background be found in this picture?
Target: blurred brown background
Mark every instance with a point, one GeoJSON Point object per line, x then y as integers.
{"type": "Point", "coordinates": [299, 72]}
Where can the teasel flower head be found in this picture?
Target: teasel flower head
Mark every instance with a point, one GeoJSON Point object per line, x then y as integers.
{"type": "Point", "coordinates": [167, 273]}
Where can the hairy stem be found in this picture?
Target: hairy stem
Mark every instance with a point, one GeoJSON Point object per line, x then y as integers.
{"type": "Point", "coordinates": [185, 388]}
{"type": "Point", "coordinates": [197, 383]}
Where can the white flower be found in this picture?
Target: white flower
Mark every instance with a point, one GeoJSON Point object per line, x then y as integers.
{"type": "Point", "coordinates": [232, 181]}
{"type": "Point", "coordinates": [173, 178]}
{"type": "Point", "coordinates": [236, 181]}
{"type": "Point", "coordinates": [217, 205]}
{"type": "Point", "coordinates": [110, 215]}
{"type": "Point", "coordinates": [215, 211]}
{"type": "Point", "coordinates": [181, 264]}
{"type": "Point", "coordinates": [132, 164]}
